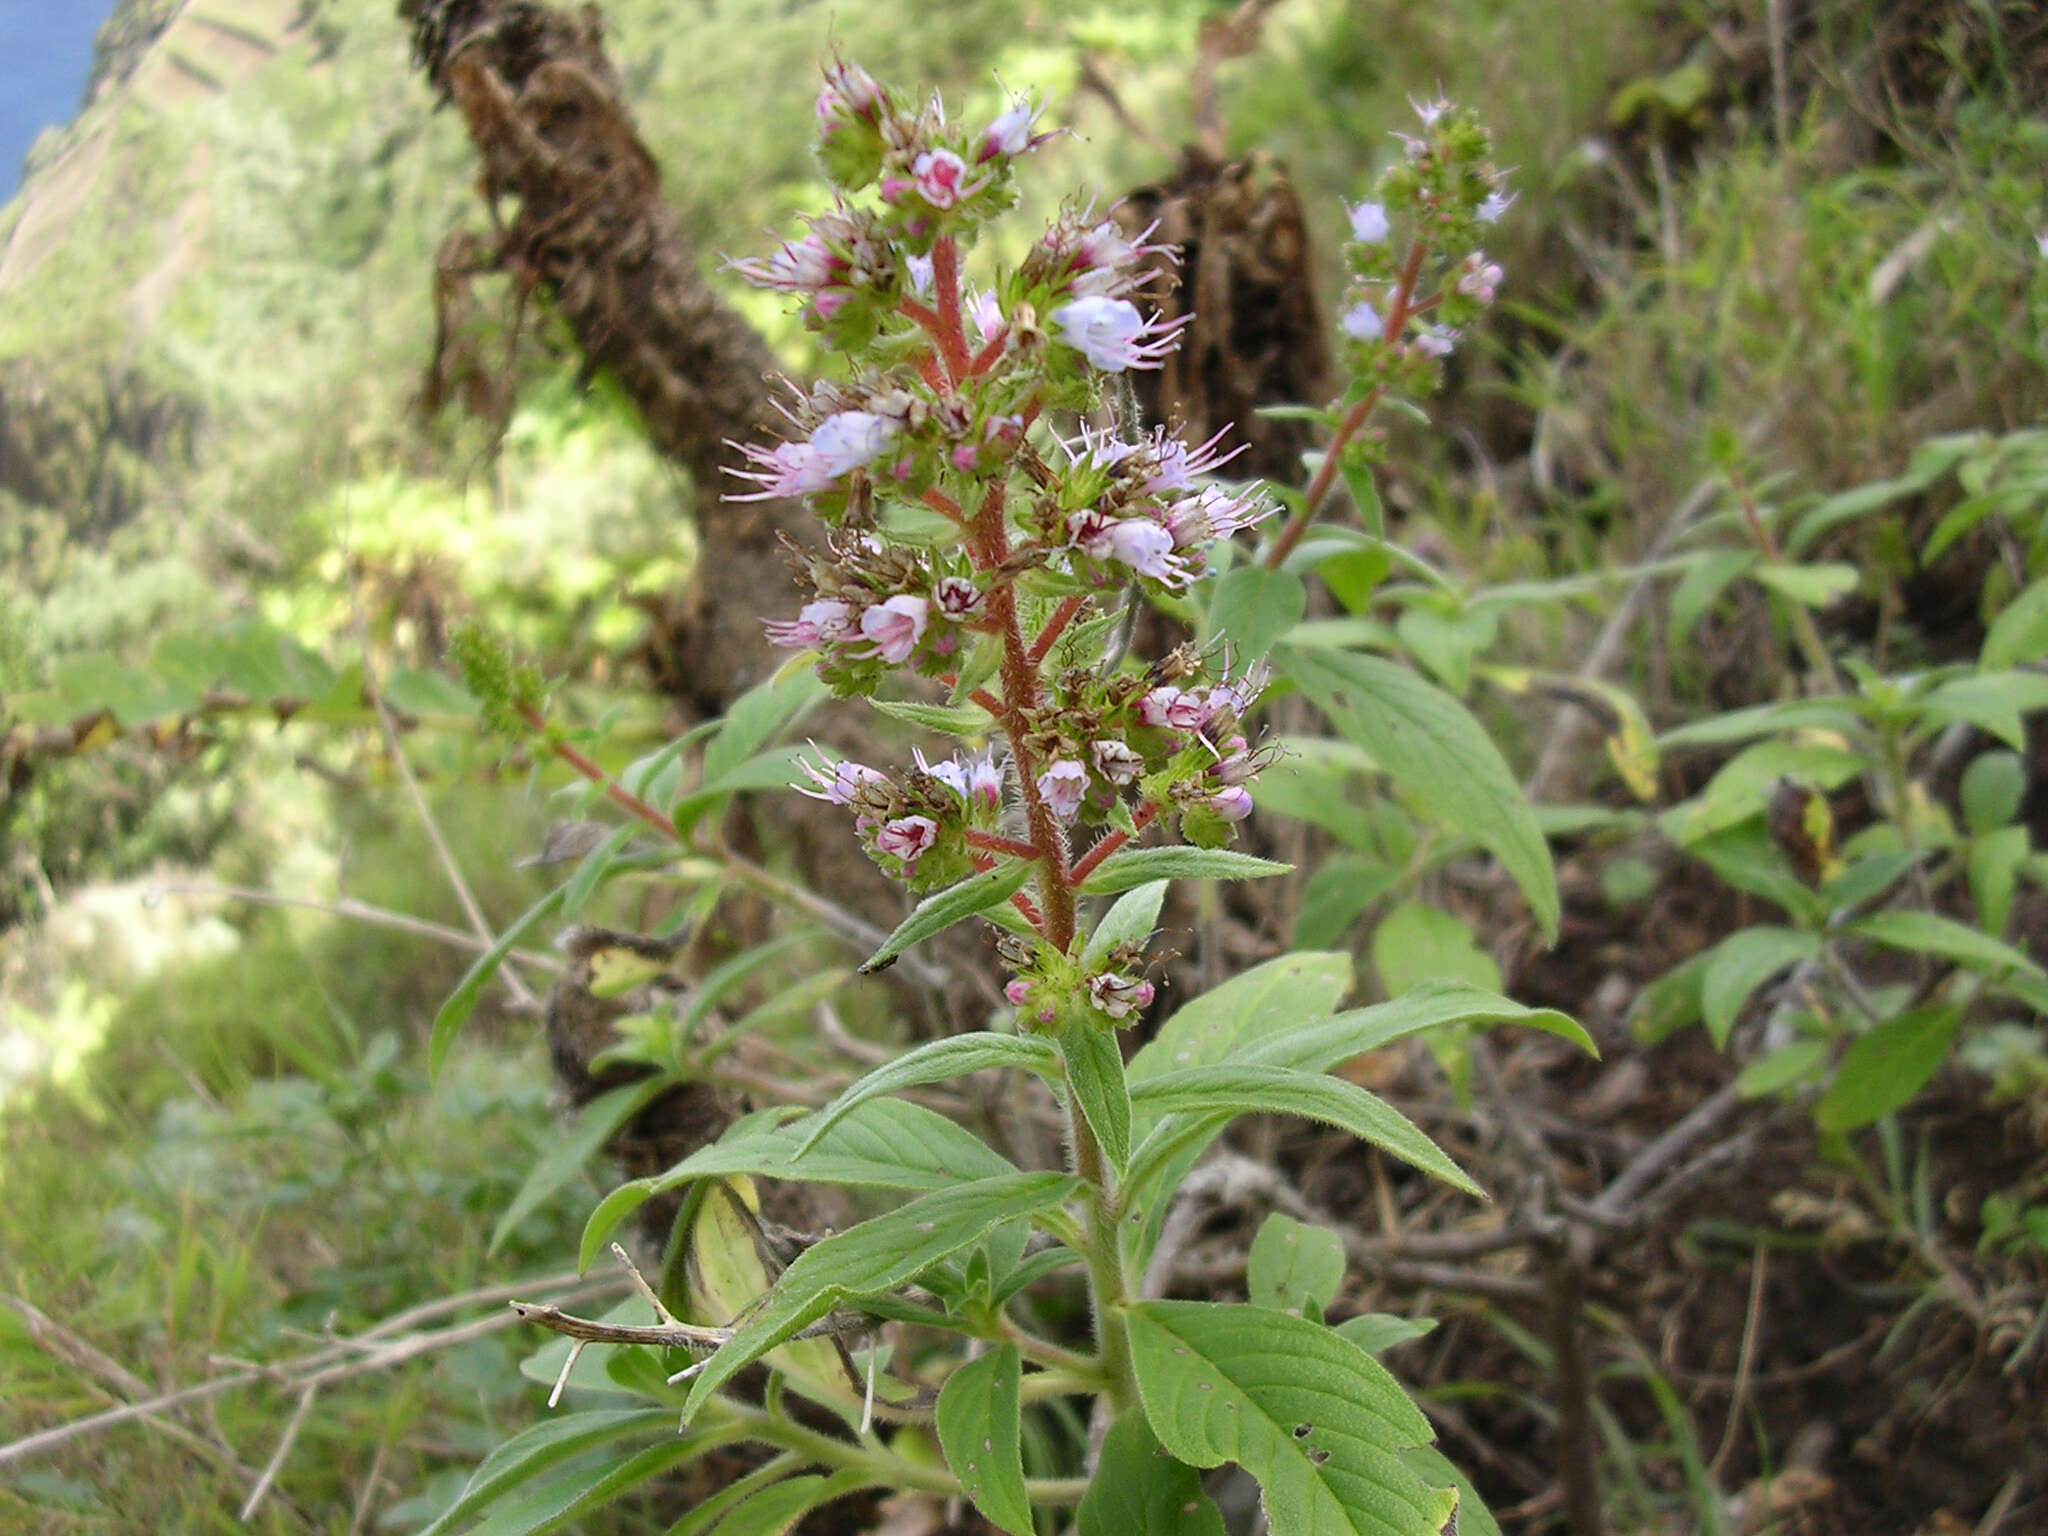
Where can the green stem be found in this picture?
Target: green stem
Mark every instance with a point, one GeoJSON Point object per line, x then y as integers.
{"type": "Point", "coordinates": [1108, 1287]}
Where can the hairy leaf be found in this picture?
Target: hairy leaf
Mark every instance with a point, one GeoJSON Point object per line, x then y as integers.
{"type": "Point", "coordinates": [980, 1430]}
{"type": "Point", "coordinates": [936, 1061]}
{"type": "Point", "coordinates": [942, 909]}
{"type": "Point", "coordinates": [1139, 1490]}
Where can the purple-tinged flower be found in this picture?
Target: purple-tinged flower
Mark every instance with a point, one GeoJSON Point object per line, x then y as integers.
{"type": "Point", "coordinates": [1479, 277]}
{"type": "Point", "coordinates": [1493, 206]}
{"type": "Point", "coordinates": [1435, 340]}
{"type": "Point", "coordinates": [984, 780]}
{"type": "Point", "coordinates": [1120, 996]}
{"type": "Point", "coordinates": [1113, 335]}
{"type": "Point", "coordinates": [920, 270]}
{"type": "Point", "coordinates": [828, 302]}
{"type": "Point", "coordinates": [1147, 549]}
{"type": "Point", "coordinates": [1240, 693]}
{"type": "Point", "coordinates": [1017, 991]}
{"type": "Point", "coordinates": [1179, 466]}
{"type": "Point", "coordinates": [1430, 111]}
{"type": "Point", "coordinates": [850, 91]}
{"type": "Point", "coordinates": [1177, 709]}
{"type": "Point", "coordinates": [965, 457]}
{"type": "Point", "coordinates": [837, 782]}
{"type": "Point", "coordinates": [1116, 761]}
{"type": "Point", "coordinates": [1233, 802]}
{"type": "Point", "coordinates": [1369, 224]}
{"type": "Point", "coordinates": [1362, 322]}
{"type": "Point", "coordinates": [1088, 531]}
{"type": "Point", "coordinates": [1010, 134]}
{"type": "Point", "coordinates": [1062, 786]}
{"type": "Point", "coordinates": [1235, 765]}
{"type": "Point", "coordinates": [818, 623]}
{"type": "Point", "coordinates": [942, 178]}
{"type": "Point", "coordinates": [957, 597]}
{"type": "Point", "coordinates": [798, 266]}
{"type": "Point", "coordinates": [895, 625]}
{"type": "Point", "coordinates": [986, 313]}
{"type": "Point", "coordinates": [949, 771]}
{"type": "Point", "coordinates": [1214, 513]}
{"type": "Point", "coordinates": [787, 469]}
{"type": "Point", "coordinates": [846, 440]}
{"type": "Point", "coordinates": [907, 838]}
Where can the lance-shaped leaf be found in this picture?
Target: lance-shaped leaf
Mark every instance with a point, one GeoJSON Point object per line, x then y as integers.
{"type": "Point", "coordinates": [1249, 1090]}
{"type": "Point", "coordinates": [463, 1000]}
{"type": "Point", "coordinates": [877, 1256]}
{"type": "Point", "coordinates": [545, 1445]}
{"type": "Point", "coordinates": [980, 1430]}
{"type": "Point", "coordinates": [1139, 1490]}
{"type": "Point", "coordinates": [1267, 1000]}
{"type": "Point", "coordinates": [1313, 1417]}
{"type": "Point", "coordinates": [882, 1144]}
{"type": "Point", "coordinates": [1095, 1078]}
{"type": "Point", "coordinates": [1130, 921]}
{"type": "Point", "coordinates": [1136, 866]}
{"type": "Point", "coordinates": [1438, 754]}
{"type": "Point", "coordinates": [561, 1162]}
{"type": "Point", "coordinates": [956, 903]}
{"type": "Point", "coordinates": [937, 1061]}
{"type": "Point", "coordinates": [1319, 1044]}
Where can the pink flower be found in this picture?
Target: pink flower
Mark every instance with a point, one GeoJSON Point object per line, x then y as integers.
{"type": "Point", "coordinates": [799, 266]}
{"type": "Point", "coordinates": [1120, 996]}
{"type": "Point", "coordinates": [1479, 277]}
{"type": "Point", "coordinates": [984, 780]}
{"type": "Point", "coordinates": [1369, 224]}
{"type": "Point", "coordinates": [1235, 766]}
{"type": "Point", "coordinates": [829, 302]}
{"type": "Point", "coordinates": [1180, 466]}
{"type": "Point", "coordinates": [1240, 693]}
{"type": "Point", "coordinates": [1010, 134]}
{"type": "Point", "coordinates": [1233, 802]}
{"type": "Point", "coordinates": [895, 626]}
{"type": "Point", "coordinates": [1435, 340]}
{"type": "Point", "coordinates": [957, 597]}
{"type": "Point", "coordinates": [1176, 709]}
{"type": "Point", "coordinates": [907, 838]}
{"type": "Point", "coordinates": [950, 772]}
{"type": "Point", "coordinates": [1115, 761]}
{"type": "Point", "coordinates": [1147, 549]}
{"type": "Point", "coordinates": [817, 623]}
{"type": "Point", "coordinates": [941, 178]}
{"type": "Point", "coordinates": [843, 781]}
{"type": "Point", "coordinates": [1214, 513]}
{"type": "Point", "coordinates": [846, 440]}
{"type": "Point", "coordinates": [986, 313]}
{"type": "Point", "coordinates": [1062, 786]}
{"type": "Point", "coordinates": [850, 91]}
{"type": "Point", "coordinates": [1113, 336]}
{"type": "Point", "coordinates": [1017, 991]}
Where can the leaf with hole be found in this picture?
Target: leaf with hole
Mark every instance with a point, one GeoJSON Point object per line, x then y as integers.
{"type": "Point", "coordinates": [1313, 1417]}
{"type": "Point", "coordinates": [1294, 1266]}
{"type": "Point", "coordinates": [979, 1419]}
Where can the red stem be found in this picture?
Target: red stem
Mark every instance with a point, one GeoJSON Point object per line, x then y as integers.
{"type": "Point", "coordinates": [989, 842]}
{"type": "Point", "coordinates": [620, 795]}
{"type": "Point", "coordinates": [985, 359]}
{"type": "Point", "coordinates": [940, 502]}
{"type": "Point", "coordinates": [1400, 309]}
{"type": "Point", "coordinates": [1113, 841]}
{"type": "Point", "coordinates": [1061, 617]}
{"type": "Point", "coordinates": [988, 701]}
{"type": "Point", "coordinates": [952, 339]}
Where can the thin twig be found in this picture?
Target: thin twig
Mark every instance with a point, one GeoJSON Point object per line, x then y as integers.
{"type": "Point", "coordinates": [276, 1463]}
{"type": "Point", "coordinates": [1745, 1362]}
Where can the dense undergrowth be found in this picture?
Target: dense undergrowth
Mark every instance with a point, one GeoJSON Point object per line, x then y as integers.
{"type": "Point", "coordinates": [1768, 381]}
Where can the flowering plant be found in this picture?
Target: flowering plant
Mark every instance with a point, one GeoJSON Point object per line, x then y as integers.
{"type": "Point", "coordinates": [985, 547]}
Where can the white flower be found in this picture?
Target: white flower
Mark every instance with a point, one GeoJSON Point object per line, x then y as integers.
{"type": "Point", "coordinates": [1369, 224]}
{"type": "Point", "coordinates": [1362, 322]}
{"type": "Point", "coordinates": [848, 439]}
{"type": "Point", "coordinates": [1113, 335]}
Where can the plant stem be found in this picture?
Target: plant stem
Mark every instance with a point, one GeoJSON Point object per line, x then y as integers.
{"type": "Point", "coordinates": [1109, 1288]}
{"type": "Point", "coordinates": [1400, 309]}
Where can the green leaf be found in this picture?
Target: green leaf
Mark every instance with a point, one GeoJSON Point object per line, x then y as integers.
{"type": "Point", "coordinates": [1339, 890]}
{"type": "Point", "coordinates": [1929, 933]}
{"type": "Point", "coordinates": [969, 721]}
{"type": "Point", "coordinates": [416, 693]}
{"type": "Point", "coordinates": [547, 1444]}
{"type": "Point", "coordinates": [1355, 575]}
{"type": "Point", "coordinates": [1130, 921]}
{"type": "Point", "coordinates": [1294, 1266]}
{"type": "Point", "coordinates": [1292, 990]}
{"type": "Point", "coordinates": [1374, 1332]}
{"type": "Point", "coordinates": [1133, 867]}
{"type": "Point", "coordinates": [462, 1001]}
{"type": "Point", "coordinates": [1991, 791]}
{"type": "Point", "coordinates": [1253, 608]}
{"type": "Point", "coordinates": [1439, 755]}
{"type": "Point", "coordinates": [1313, 1417]}
{"type": "Point", "coordinates": [936, 1061]}
{"type": "Point", "coordinates": [957, 903]}
{"type": "Point", "coordinates": [1743, 962]}
{"type": "Point", "coordinates": [1743, 785]}
{"type": "Point", "coordinates": [560, 1163]}
{"type": "Point", "coordinates": [1447, 643]}
{"type": "Point", "coordinates": [1095, 1078]}
{"type": "Point", "coordinates": [1786, 1067]}
{"type": "Point", "coordinates": [1811, 586]}
{"type": "Point", "coordinates": [774, 769]}
{"type": "Point", "coordinates": [1882, 1070]}
{"type": "Point", "coordinates": [775, 1509]}
{"type": "Point", "coordinates": [1139, 1490]}
{"type": "Point", "coordinates": [133, 696]}
{"type": "Point", "coordinates": [980, 1430]}
{"type": "Point", "coordinates": [1994, 866]}
{"type": "Point", "coordinates": [1250, 1089]}
{"type": "Point", "coordinates": [756, 715]}
{"type": "Point", "coordinates": [1416, 943]}
{"type": "Point", "coordinates": [1699, 589]}
{"type": "Point", "coordinates": [2019, 634]}
{"type": "Point", "coordinates": [1317, 1045]}
{"type": "Point", "coordinates": [1995, 702]}
{"type": "Point", "coordinates": [882, 1144]}
{"type": "Point", "coordinates": [879, 1255]}
{"type": "Point", "coordinates": [564, 1492]}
